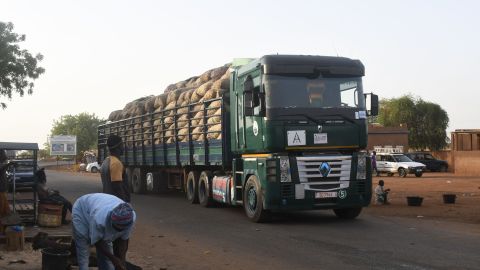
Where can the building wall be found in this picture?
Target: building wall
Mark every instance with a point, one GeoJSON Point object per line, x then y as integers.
{"type": "Point", "coordinates": [465, 152]}
{"type": "Point", "coordinates": [382, 136]}
{"type": "Point", "coordinates": [466, 163]}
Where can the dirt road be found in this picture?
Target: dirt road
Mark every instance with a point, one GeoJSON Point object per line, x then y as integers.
{"type": "Point", "coordinates": [172, 234]}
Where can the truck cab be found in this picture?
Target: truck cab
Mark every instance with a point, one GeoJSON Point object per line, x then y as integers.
{"type": "Point", "coordinates": [298, 129]}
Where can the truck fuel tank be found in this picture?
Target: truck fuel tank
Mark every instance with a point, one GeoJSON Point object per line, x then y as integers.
{"type": "Point", "coordinates": [222, 188]}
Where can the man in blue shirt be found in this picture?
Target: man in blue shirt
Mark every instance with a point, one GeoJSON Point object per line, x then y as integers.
{"type": "Point", "coordinates": [99, 219]}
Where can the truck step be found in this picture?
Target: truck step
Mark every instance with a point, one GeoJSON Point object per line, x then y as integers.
{"type": "Point", "coordinates": [238, 186]}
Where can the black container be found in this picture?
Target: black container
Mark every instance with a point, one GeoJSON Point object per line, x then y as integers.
{"type": "Point", "coordinates": [449, 198]}
{"type": "Point", "coordinates": [414, 201]}
{"type": "Point", "coordinates": [54, 259]}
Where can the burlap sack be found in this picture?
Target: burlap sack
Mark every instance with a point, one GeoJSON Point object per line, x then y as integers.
{"type": "Point", "coordinates": [210, 94]}
{"type": "Point", "coordinates": [213, 107]}
{"type": "Point", "coordinates": [217, 129]}
{"type": "Point", "coordinates": [182, 135]}
{"type": "Point", "coordinates": [168, 121]}
{"type": "Point", "coordinates": [196, 132]}
{"type": "Point", "coordinates": [146, 124]}
{"type": "Point", "coordinates": [170, 88]}
{"type": "Point", "coordinates": [182, 121]}
{"type": "Point", "coordinates": [149, 105]}
{"type": "Point", "coordinates": [157, 123]}
{"type": "Point", "coordinates": [214, 120]}
{"type": "Point", "coordinates": [170, 106]}
{"type": "Point", "coordinates": [202, 89]}
{"type": "Point", "coordinates": [172, 96]}
{"type": "Point", "coordinates": [216, 73]}
{"type": "Point", "coordinates": [115, 115]}
{"type": "Point", "coordinates": [159, 102]}
{"type": "Point", "coordinates": [197, 119]}
{"type": "Point", "coordinates": [157, 135]}
{"type": "Point", "coordinates": [194, 98]}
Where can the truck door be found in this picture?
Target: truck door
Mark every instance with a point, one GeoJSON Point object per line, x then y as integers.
{"type": "Point", "coordinates": [254, 108]}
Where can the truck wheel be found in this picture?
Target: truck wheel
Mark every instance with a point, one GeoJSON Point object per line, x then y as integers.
{"type": "Point", "coordinates": [418, 174]}
{"type": "Point", "coordinates": [402, 172]}
{"type": "Point", "coordinates": [204, 189]}
{"type": "Point", "coordinates": [138, 181]}
{"type": "Point", "coordinates": [128, 174]}
{"type": "Point", "coordinates": [192, 187]}
{"type": "Point", "coordinates": [253, 201]}
{"type": "Point", "coordinates": [348, 213]}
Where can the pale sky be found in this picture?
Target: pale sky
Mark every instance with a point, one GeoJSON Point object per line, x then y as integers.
{"type": "Point", "coordinates": [99, 55]}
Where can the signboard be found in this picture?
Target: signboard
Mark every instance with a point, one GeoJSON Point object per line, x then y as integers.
{"type": "Point", "coordinates": [296, 137]}
{"type": "Point", "coordinates": [63, 145]}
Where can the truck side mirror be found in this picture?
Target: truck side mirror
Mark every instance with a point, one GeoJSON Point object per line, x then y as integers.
{"type": "Point", "coordinates": [372, 107]}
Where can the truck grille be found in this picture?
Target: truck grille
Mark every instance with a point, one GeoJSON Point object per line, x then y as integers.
{"type": "Point", "coordinates": [311, 177]}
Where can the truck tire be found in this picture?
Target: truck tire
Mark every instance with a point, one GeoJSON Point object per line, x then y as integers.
{"type": "Point", "coordinates": [204, 189]}
{"type": "Point", "coordinates": [138, 181]}
{"type": "Point", "coordinates": [402, 172]}
{"type": "Point", "coordinates": [253, 201]}
{"type": "Point", "coordinates": [348, 213]}
{"type": "Point", "coordinates": [128, 174]}
{"type": "Point", "coordinates": [191, 188]}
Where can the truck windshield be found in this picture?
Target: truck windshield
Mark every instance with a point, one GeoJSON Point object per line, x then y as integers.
{"type": "Point", "coordinates": [302, 92]}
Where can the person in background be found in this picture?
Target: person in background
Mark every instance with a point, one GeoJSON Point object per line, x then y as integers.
{"type": "Point", "coordinates": [47, 195]}
{"type": "Point", "coordinates": [98, 219]}
{"type": "Point", "coordinates": [374, 163]}
{"type": "Point", "coordinates": [113, 175]}
{"type": "Point", "coordinates": [4, 206]}
{"type": "Point", "coordinates": [381, 193]}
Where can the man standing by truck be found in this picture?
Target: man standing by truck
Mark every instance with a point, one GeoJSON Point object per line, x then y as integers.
{"type": "Point", "coordinates": [113, 175]}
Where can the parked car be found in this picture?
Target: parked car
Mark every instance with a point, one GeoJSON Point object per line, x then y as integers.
{"type": "Point", "coordinates": [24, 173]}
{"type": "Point", "coordinates": [93, 167]}
{"type": "Point", "coordinates": [433, 164]}
{"type": "Point", "coordinates": [392, 163]}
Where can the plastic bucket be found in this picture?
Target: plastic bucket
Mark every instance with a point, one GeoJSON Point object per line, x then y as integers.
{"type": "Point", "coordinates": [449, 198]}
{"type": "Point", "coordinates": [414, 201]}
{"type": "Point", "coordinates": [55, 259]}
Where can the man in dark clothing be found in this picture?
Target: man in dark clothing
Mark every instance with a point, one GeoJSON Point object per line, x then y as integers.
{"type": "Point", "coordinates": [113, 175]}
{"type": "Point", "coordinates": [47, 195]}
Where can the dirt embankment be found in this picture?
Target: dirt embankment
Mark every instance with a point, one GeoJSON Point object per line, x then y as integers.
{"type": "Point", "coordinates": [431, 186]}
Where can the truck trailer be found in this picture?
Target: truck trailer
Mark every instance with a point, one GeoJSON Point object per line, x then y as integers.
{"type": "Point", "coordinates": [289, 132]}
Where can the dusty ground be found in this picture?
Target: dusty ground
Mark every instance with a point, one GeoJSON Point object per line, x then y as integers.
{"type": "Point", "coordinates": [431, 186]}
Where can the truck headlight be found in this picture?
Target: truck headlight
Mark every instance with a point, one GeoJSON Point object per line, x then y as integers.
{"type": "Point", "coordinates": [362, 166]}
{"type": "Point", "coordinates": [285, 175]}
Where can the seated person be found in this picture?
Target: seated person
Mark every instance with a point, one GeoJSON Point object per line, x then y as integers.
{"type": "Point", "coordinates": [381, 193]}
{"type": "Point", "coordinates": [47, 195]}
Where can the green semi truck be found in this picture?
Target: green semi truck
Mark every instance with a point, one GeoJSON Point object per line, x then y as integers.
{"type": "Point", "coordinates": [292, 137]}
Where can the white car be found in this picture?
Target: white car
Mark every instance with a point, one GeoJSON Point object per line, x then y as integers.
{"type": "Point", "coordinates": [398, 163]}
{"type": "Point", "coordinates": [93, 167]}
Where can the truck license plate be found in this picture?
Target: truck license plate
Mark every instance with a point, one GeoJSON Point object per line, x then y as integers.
{"type": "Point", "coordinates": [321, 195]}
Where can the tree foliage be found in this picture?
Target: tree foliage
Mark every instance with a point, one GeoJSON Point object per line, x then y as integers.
{"type": "Point", "coordinates": [18, 68]}
{"type": "Point", "coordinates": [83, 125]}
{"type": "Point", "coordinates": [426, 121]}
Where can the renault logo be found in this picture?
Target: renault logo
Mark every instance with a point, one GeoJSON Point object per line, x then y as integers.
{"type": "Point", "coordinates": [324, 169]}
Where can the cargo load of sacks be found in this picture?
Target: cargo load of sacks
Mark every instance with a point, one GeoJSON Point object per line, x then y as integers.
{"type": "Point", "coordinates": [175, 102]}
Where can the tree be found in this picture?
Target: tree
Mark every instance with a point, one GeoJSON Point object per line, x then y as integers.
{"type": "Point", "coordinates": [426, 121]}
{"type": "Point", "coordinates": [83, 125]}
{"type": "Point", "coordinates": [18, 68]}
